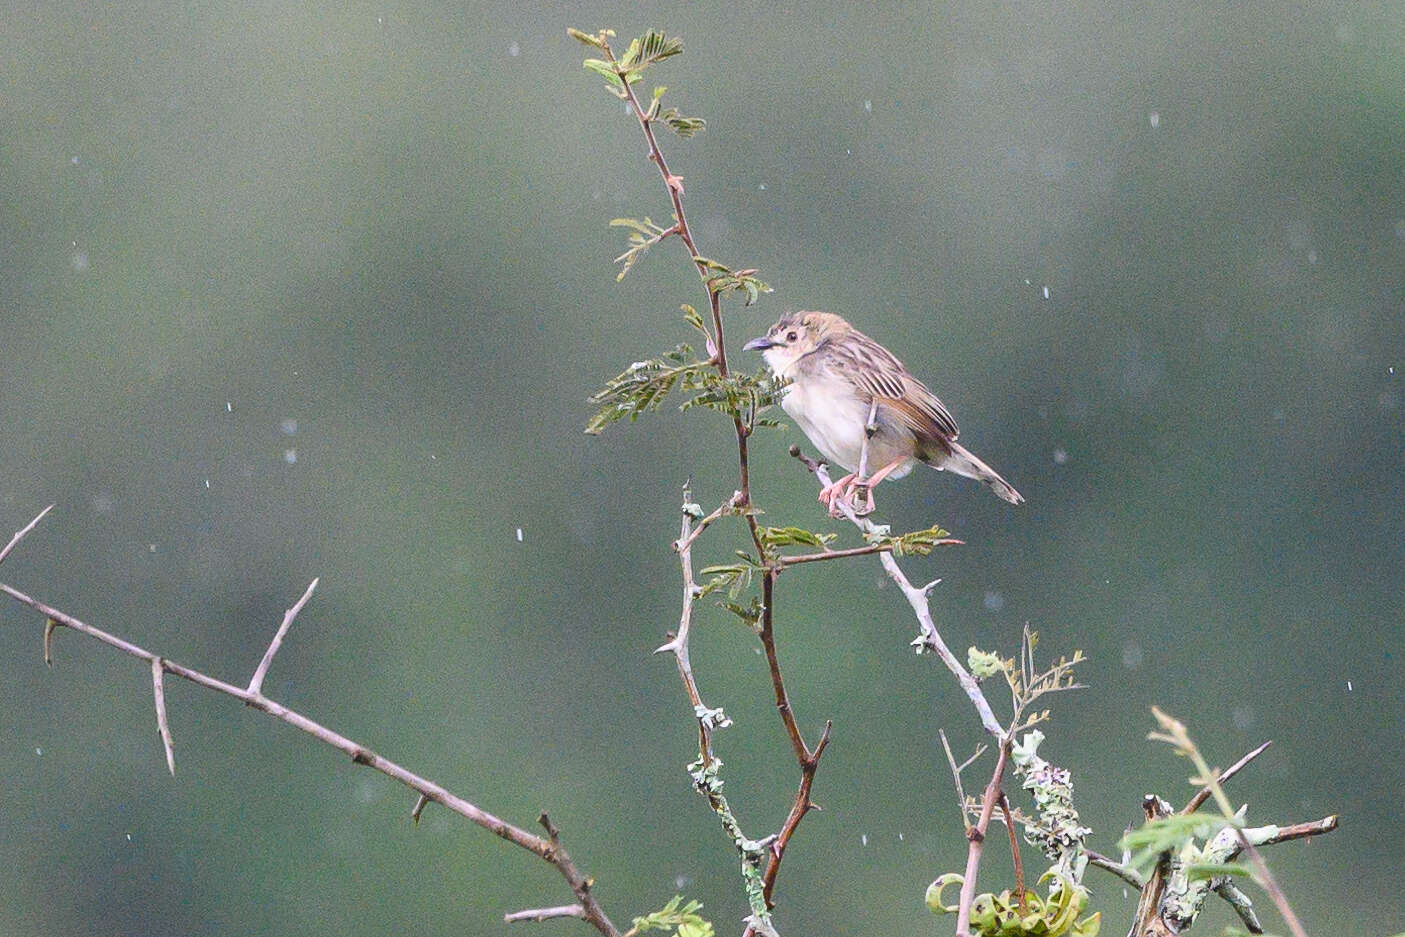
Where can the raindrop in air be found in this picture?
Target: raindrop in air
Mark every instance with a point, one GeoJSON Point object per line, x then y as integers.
{"type": "Point", "coordinates": [1153, 118]}
{"type": "Point", "coordinates": [868, 106]}
{"type": "Point", "coordinates": [514, 50]}
{"type": "Point", "coordinates": [289, 427]}
{"type": "Point", "coordinates": [290, 456]}
{"type": "Point", "coordinates": [1060, 456]}
{"type": "Point", "coordinates": [1132, 655]}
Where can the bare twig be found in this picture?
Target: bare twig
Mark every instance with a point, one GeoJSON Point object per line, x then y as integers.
{"type": "Point", "coordinates": [686, 541]}
{"type": "Point", "coordinates": [20, 534]}
{"type": "Point", "coordinates": [418, 810]}
{"type": "Point", "coordinates": [861, 478]}
{"type": "Point", "coordinates": [1301, 830]}
{"type": "Point", "coordinates": [1127, 874]}
{"type": "Point", "coordinates": [538, 915]}
{"type": "Point", "coordinates": [956, 777]}
{"type": "Point", "coordinates": [1205, 792]}
{"type": "Point", "coordinates": [786, 561]}
{"type": "Point", "coordinates": [1241, 904]}
{"type": "Point", "coordinates": [256, 684]}
{"type": "Point", "coordinates": [1149, 901]}
{"type": "Point", "coordinates": [549, 849]}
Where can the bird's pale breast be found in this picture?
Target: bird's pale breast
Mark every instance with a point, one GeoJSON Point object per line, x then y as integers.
{"type": "Point", "coordinates": [833, 417]}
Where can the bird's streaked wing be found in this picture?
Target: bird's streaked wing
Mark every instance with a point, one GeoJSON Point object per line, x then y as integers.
{"type": "Point", "coordinates": [877, 373]}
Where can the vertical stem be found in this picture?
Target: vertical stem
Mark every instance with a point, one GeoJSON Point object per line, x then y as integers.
{"type": "Point", "coordinates": [977, 841]}
{"type": "Point", "coordinates": [1015, 853]}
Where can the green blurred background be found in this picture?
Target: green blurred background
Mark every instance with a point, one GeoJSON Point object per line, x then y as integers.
{"type": "Point", "coordinates": [296, 290]}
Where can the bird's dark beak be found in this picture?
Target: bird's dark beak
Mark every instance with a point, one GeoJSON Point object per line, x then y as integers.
{"type": "Point", "coordinates": [758, 344]}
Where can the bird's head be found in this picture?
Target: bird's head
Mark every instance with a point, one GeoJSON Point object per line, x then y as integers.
{"type": "Point", "coordinates": [796, 335]}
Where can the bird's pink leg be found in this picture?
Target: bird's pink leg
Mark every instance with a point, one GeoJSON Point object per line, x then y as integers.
{"type": "Point", "coordinates": [853, 482]}
{"type": "Point", "coordinates": [831, 492]}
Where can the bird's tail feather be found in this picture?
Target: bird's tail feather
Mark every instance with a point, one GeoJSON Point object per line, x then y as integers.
{"type": "Point", "coordinates": [962, 462]}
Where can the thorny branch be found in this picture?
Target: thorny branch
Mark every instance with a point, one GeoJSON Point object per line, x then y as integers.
{"type": "Point", "coordinates": [548, 849]}
{"type": "Point", "coordinates": [806, 757]}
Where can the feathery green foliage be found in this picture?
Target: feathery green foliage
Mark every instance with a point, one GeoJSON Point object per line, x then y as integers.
{"type": "Point", "coordinates": [682, 919]}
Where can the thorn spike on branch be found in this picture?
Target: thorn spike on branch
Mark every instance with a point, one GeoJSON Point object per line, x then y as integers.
{"type": "Point", "coordinates": [49, 626]}
{"type": "Point", "coordinates": [158, 667]}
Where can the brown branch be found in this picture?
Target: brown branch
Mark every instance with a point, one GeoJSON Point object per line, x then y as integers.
{"type": "Point", "coordinates": [1014, 853]}
{"type": "Point", "coordinates": [787, 561]}
{"type": "Point", "coordinates": [549, 849]}
{"type": "Point", "coordinates": [808, 758]}
{"type": "Point", "coordinates": [1208, 790]}
{"type": "Point", "coordinates": [1302, 830]}
{"type": "Point", "coordinates": [256, 684]}
{"type": "Point", "coordinates": [538, 915]}
{"type": "Point", "coordinates": [976, 841]}
{"type": "Point", "coordinates": [1149, 900]}
{"type": "Point", "coordinates": [673, 184]}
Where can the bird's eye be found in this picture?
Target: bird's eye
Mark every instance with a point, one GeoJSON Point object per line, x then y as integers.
{"type": "Point", "coordinates": [790, 336]}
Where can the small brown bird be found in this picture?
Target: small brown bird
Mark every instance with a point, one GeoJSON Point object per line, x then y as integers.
{"type": "Point", "coordinates": [836, 374]}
